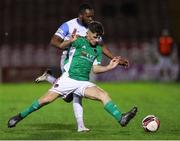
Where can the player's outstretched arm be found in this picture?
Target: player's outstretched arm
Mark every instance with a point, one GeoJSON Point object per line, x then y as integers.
{"type": "Point", "coordinates": [113, 64]}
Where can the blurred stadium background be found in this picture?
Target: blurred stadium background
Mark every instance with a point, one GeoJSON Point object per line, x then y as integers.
{"type": "Point", "coordinates": [132, 30]}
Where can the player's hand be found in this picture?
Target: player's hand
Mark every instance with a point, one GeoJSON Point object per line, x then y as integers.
{"type": "Point", "coordinates": [114, 63]}
{"type": "Point", "coordinates": [73, 36]}
{"type": "Point", "coordinates": [123, 61]}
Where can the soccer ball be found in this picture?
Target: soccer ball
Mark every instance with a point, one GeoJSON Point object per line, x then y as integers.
{"type": "Point", "coordinates": [150, 123]}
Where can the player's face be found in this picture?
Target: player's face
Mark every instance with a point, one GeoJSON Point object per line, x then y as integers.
{"type": "Point", "coordinates": [93, 38]}
{"type": "Point", "coordinates": [87, 16]}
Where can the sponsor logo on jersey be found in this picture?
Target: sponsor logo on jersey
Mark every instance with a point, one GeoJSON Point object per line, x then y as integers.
{"type": "Point", "coordinates": [87, 56]}
{"type": "Point", "coordinates": [83, 53]}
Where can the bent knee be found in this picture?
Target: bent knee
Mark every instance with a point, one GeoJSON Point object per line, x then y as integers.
{"type": "Point", "coordinates": [47, 99]}
{"type": "Point", "coordinates": [103, 96]}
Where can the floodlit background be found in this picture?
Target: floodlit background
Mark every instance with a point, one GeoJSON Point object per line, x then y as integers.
{"type": "Point", "coordinates": [132, 30]}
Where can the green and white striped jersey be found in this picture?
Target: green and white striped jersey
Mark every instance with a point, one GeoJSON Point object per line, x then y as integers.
{"type": "Point", "coordinates": [80, 59]}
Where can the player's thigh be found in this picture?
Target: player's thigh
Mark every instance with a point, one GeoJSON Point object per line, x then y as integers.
{"type": "Point", "coordinates": [96, 93]}
{"type": "Point", "coordinates": [48, 97]}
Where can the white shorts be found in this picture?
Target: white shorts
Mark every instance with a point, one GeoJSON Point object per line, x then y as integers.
{"type": "Point", "coordinates": [65, 85]}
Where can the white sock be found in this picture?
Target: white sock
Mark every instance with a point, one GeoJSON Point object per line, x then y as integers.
{"type": "Point", "coordinates": [78, 110]}
{"type": "Point", "coordinates": [51, 79]}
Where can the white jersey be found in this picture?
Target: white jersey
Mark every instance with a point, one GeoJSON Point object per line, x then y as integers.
{"type": "Point", "coordinates": [65, 31]}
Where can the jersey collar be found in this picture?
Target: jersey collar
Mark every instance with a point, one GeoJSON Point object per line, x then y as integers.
{"type": "Point", "coordinates": [80, 23]}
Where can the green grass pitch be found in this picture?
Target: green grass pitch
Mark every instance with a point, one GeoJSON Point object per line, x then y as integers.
{"type": "Point", "coordinates": [56, 121]}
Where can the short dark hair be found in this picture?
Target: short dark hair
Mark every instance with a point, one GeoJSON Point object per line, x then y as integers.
{"type": "Point", "coordinates": [83, 7]}
{"type": "Point", "coordinates": [96, 27]}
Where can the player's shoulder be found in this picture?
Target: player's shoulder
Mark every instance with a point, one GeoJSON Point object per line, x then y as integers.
{"type": "Point", "coordinates": [99, 47]}
{"type": "Point", "coordinates": [80, 38]}
{"type": "Point", "coordinates": [163, 38]}
{"type": "Point", "coordinates": [81, 41]}
{"type": "Point", "coordinates": [72, 21]}
{"type": "Point", "coordinates": [69, 23]}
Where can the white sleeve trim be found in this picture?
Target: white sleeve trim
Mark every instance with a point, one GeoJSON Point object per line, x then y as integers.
{"type": "Point", "coordinates": [96, 62]}
{"type": "Point", "coordinates": [62, 37]}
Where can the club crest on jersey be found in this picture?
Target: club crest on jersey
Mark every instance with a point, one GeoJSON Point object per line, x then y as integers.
{"type": "Point", "coordinates": [84, 47]}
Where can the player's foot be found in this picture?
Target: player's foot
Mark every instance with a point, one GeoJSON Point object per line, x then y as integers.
{"type": "Point", "coordinates": [126, 117]}
{"type": "Point", "coordinates": [43, 77]}
{"type": "Point", "coordinates": [84, 129]}
{"type": "Point", "coordinates": [14, 120]}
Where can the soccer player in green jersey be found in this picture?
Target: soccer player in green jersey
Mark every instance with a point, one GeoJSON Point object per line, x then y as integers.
{"type": "Point", "coordinates": [83, 55]}
{"type": "Point", "coordinates": [77, 25]}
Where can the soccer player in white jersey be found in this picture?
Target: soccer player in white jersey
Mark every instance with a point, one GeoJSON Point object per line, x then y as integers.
{"type": "Point", "coordinates": [84, 55]}
{"type": "Point", "coordinates": [65, 31]}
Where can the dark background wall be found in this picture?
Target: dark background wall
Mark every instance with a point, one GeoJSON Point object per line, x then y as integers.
{"type": "Point", "coordinates": [132, 30]}
{"type": "Point", "coordinates": [36, 20]}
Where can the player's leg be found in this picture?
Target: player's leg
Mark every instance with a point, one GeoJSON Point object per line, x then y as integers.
{"type": "Point", "coordinates": [47, 76]}
{"type": "Point", "coordinates": [78, 112]}
{"type": "Point", "coordinates": [67, 86]}
{"type": "Point", "coordinates": [97, 93]}
{"type": "Point", "coordinates": [169, 64]}
{"type": "Point", "coordinates": [37, 104]}
{"type": "Point", "coordinates": [159, 68]}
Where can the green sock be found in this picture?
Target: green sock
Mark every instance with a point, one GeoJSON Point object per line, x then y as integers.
{"type": "Point", "coordinates": [35, 106]}
{"type": "Point", "coordinates": [111, 108]}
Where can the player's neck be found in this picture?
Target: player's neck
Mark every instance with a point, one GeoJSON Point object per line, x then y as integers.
{"type": "Point", "coordinates": [93, 46]}
{"type": "Point", "coordinates": [79, 20]}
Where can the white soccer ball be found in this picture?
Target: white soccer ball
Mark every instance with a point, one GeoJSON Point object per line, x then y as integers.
{"type": "Point", "coordinates": [151, 123]}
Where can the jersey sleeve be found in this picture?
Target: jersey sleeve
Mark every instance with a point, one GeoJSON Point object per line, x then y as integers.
{"type": "Point", "coordinates": [63, 31]}
{"type": "Point", "coordinates": [98, 59]}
